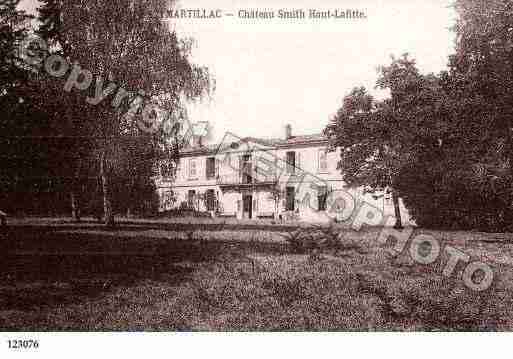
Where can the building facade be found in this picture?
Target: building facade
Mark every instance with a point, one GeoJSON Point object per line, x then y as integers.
{"type": "Point", "coordinates": [293, 178]}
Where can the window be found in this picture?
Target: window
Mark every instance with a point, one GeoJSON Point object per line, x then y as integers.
{"type": "Point", "coordinates": [291, 162]}
{"type": "Point", "coordinates": [191, 196]}
{"type": "Point", "coordinates": [322, 197]}
{"type": "Point", "coordinates": [388, 198]}
{"type": "Point", "coordinates": [246, 169]}
{"type": "Point", "coordinates": [265, 168]}
{"type": "Point", "coordinates": [168, 199]}
{"type": "Point", "coordinates": [192, 168]}
{"type": "Point", "coordinates": [211, 167]}
{"type": "Point", "coordinates": [290, 199]}
{"type": "Point", "coordinates": [167, 169]}
{"type": "Point", "coordinates": [323, 161]}
{"type": "Point", "coordinates": [210, 199]}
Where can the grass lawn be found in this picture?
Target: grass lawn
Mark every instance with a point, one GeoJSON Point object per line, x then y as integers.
{"type": "Point", "coordinates": [151, 276]}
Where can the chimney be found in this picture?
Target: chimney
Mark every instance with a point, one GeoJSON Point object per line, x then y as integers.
{"type": "Point", "coordinates": [197, 141]}
{"type": "Point", "coordinates": [288, 131]}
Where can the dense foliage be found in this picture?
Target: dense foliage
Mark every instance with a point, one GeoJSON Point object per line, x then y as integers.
{"type": "Point", "coordinates": [443, 142]}
{"type": "Point", "coordinates": [88, 145]}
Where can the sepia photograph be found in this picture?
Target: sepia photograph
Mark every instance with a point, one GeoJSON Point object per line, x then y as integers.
{"type": "Point", "coordinates": [255, 167]}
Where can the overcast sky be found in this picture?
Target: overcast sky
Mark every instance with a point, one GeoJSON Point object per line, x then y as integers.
{"type": "Point", "coordinates": [273, 72]}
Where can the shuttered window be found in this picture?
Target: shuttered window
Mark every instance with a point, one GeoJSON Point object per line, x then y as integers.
{"type": "Point", "coordinates": [290, 199]}
{"type": "Point", "coordinates": [210, 200]}
{"type": "Point", "coordinates": [191, 196]}
{"type": "Point", "coordinates": [192, 168]}
{"type": "Point", "coordinates": [291, 162]}
{"type": "Point", "coordinates": [322, 197]}
{"type": "Point", "coordinates": [211, 168]}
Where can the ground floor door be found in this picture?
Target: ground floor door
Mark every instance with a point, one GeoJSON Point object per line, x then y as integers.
{"type": "Point", "coordinates": [290, 199]}
{"type": "Point", "coordinates": [247, 207]}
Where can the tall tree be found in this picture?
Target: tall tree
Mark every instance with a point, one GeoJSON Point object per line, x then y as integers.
{"type": "Point", "coordinates": [459, 182]}
{"type": "Point", "coordinates": [446, 140]}
{"type": "Point", "coordinates": [369, 156]}
{"type": "Point", "coordinates": [482, 71]}
{"type": "Point", "coordinates": [14, 25]}
{"type": "Point", "coordinates": [136, 54]}
{"type": "Point", "coordinates": [380, 139]}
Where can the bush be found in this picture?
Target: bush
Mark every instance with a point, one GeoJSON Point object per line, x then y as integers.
{"type": "Point", "coordinates": [185, 210]}
{"type": "Point", "coordinates": [449, 197]}
{"type": "Point", "coordinates": [300, 242]}
{"type": "Point", "coordinates": [320, 239]}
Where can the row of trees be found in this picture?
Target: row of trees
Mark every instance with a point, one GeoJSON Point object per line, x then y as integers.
{"type": "Point", "coordinates": [443, 142]}
{"type": "Point", "coordinates": [93, 150]}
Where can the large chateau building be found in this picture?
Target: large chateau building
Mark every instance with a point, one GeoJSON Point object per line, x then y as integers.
{"type": "Point", "coordinates": [292, 178]}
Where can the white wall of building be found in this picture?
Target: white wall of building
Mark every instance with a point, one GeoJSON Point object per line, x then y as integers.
{"type": "Point", "coordinates": [307, 177]}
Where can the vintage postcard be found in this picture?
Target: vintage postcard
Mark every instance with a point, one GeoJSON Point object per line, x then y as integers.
{"type": "Point", "coordinates": [187, 168]}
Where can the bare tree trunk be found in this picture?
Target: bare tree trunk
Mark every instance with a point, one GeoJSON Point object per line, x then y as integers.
{"type": "Point", "coordinates": [107, 203]}
{"type": "Point", "coordinates": [98, 201]}
{"type": "Point", "coordinates": [75, 195]}
{"type": "Point", "coordinates": [397, 210]}
{"type": "Point", "coordinates": [508, 213]}
{"type": "Point", "coordinates": [75, 206]}
{"type": "Point", "coordinates": [129, 212]}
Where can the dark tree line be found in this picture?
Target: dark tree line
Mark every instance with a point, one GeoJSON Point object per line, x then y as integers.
{"type": "Point", "coordinates": [443, 142]}
{"type": "Point", "coordinates": [74, 148]}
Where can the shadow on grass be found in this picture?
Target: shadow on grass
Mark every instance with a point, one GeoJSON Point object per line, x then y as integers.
{"type": "Point", "coordinates": [43, 267]}
{"type": "Point", "coordinates": [187, 224]}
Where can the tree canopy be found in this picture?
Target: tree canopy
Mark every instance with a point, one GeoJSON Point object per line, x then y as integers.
{"type": "Point", "coordinates": [443, 142]}
{"type": "Point", "coordinates": [123, 81]}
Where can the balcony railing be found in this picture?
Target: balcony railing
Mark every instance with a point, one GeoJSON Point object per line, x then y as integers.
{"type": "Point", "coordinates": [245, 180]}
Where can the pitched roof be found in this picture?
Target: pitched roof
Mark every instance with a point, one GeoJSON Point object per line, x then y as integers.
{"type": "Point", "coordinates": [268, 142]}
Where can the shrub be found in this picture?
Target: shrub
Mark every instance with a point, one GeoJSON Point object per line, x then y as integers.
{"type": "Point", "coordinates": [448, 197]}
{"type": "Point", "coordinates": [320, 239]}
{"type": "Point", "coordinates": [335, 240]}
{"type": "Point", "coordinates": [301, 241]}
